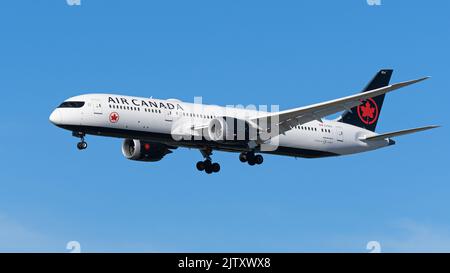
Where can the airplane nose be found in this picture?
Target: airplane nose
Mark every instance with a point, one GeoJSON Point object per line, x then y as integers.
{"type": "Point", "coordinates": [55, 117]}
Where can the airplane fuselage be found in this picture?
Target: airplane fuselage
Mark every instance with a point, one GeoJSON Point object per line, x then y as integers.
{"type": "Point", "coordinates": [153, 120]}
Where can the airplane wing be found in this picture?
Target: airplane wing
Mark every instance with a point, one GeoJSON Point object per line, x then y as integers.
{"type": "Point", "coordinates": [289, 118]}
{"type": "Point", "coordinates": [399, 133]}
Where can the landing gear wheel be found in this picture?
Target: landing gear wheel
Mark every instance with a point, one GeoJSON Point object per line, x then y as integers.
{"type": "Point", "coordinates": [215, 167]}
{"type": "Point", "coordinates": [200, 166]}
{"type": "Point", "coordinates": [250, 156]}
{"type": "Point", "coordinates": [251, 161]}
{"type": "Point", "coordinates": [259, 159]}
{"type": "Point", "coordinates": [243, 157]}
{"type": "Point", "coordinates": [82, 145]}
{"type": "Point", "coordinates": [208, 169]}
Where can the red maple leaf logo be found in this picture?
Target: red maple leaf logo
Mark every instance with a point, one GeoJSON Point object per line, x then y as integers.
{"type": "Point", "coordinates": [367, 110]}
{"type": "Point", "coordinates": [114, 117]}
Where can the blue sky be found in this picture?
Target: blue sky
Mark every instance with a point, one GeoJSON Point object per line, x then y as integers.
{"type": "Point", "coordinates": [290, 53]}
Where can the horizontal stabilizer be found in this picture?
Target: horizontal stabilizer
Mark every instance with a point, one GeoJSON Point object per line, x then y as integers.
{"type": "Point", "coordinates": [399, 133]}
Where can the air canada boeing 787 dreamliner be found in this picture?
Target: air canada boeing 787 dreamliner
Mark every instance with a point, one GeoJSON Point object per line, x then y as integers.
{"type": "Point", "coordinates": [153, 128]}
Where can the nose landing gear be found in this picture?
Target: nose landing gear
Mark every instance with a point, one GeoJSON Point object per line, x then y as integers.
{"type": "Point", "coordinates": [82, 144]}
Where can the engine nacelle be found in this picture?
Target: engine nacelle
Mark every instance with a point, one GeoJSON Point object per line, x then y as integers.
{"type": "Point", "coordinates": [227, 129]}
{"type": "Point", "coordinates": [140, 150]}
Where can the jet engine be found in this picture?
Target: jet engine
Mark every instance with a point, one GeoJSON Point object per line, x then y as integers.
{"type": "Point", "coordinates": [140, 150]}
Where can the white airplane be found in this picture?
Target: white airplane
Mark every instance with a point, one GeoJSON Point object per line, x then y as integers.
{"type": "Point", "coordinates": [152, 128]}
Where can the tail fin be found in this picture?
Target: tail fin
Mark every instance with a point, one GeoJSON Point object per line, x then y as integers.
{"type": "Point", "coordinates": [366, 115]}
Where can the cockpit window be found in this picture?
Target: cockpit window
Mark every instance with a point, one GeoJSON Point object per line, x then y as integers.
{"type": "Point", "coordinates": [71, 104]}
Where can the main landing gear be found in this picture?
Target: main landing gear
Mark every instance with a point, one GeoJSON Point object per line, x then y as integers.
{"type": "Point", "coordinates": [82, 144]}
{"type": "Point", "coordinates": [207, 165]}
{"type": "Point", "coordinates": [251, 158]}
